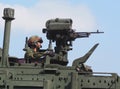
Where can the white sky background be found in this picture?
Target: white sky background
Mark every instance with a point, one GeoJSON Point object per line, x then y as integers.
{"type": "Point", "coordinates": [29, 20]}
{"type": "Point", "coordinates": [34, 18]}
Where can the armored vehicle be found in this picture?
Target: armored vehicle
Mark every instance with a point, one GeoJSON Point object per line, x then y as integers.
{"type": "Point", "coordinates": [53, 72]}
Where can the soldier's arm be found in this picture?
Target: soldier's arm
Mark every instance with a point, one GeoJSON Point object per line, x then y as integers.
{"type": "Point", "coordinates": [29, 54]}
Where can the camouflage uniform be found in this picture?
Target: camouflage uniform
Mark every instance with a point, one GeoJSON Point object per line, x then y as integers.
{"type": "Point", "coordinates": [34, 56]}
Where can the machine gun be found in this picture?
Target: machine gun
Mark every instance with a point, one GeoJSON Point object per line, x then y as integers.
{"type": "Point", "coordinates": [60, 31]}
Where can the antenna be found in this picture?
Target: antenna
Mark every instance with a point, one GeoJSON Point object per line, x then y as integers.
{"type": "Point", "coordinates": [8, 16]}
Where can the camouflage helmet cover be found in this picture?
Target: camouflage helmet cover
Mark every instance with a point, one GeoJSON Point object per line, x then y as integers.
{"type": "Point", "coordinates": [33, 39]}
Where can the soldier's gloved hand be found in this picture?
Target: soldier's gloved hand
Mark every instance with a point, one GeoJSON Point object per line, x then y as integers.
{"type": "Point", "coordinates": [50, 53]}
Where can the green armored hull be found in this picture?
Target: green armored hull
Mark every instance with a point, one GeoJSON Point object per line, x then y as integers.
{"type": "Point", "coordinates": [54, 77]}
{"type": "Point", "coordinates": [53, 72]}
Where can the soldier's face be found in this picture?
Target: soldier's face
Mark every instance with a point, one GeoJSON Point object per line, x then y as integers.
{"type": "Point", "coordinates": [38, 45]}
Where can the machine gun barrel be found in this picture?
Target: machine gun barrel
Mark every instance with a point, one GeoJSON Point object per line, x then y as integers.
{"type": "Point", "coordinates": [85, 34]}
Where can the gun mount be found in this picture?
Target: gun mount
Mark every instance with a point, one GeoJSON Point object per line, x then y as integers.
{"type": "Point", "coordinates": [17, 73]}
{"type": "Point", "coordinates": [60, 31]}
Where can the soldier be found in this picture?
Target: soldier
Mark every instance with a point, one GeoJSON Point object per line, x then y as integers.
{"type": "Point", "coordinates": [34, 53]}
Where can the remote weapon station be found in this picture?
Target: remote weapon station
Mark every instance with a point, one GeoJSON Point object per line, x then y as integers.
{"type": "Point", "coordinates": [52, 72]}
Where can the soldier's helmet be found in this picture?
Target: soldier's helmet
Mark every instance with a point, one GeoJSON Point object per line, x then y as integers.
{"type": "Point", "coordinates": [33, 40]}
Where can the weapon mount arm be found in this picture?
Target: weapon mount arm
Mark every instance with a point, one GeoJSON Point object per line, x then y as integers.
{"type": "Point", "coordinates": [83, 59]}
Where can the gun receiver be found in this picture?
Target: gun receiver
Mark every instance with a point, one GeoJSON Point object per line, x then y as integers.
{"type": "Point", "coordinates": [86, 34]}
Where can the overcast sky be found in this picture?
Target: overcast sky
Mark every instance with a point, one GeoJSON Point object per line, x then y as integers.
{"type": "Point", "coordinates": [87, 15]}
